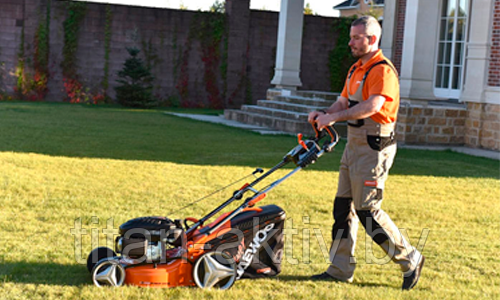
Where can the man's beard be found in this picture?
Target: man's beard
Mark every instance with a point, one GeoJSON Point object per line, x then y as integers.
{"type": "Point", "coordinates": [357, 53]}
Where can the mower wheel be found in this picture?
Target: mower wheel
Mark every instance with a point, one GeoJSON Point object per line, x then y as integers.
{"type": "Point", "coordinates": [215, 269]}
{"type": "Point", "coordinates": [97, 254]}
{"type": "Point", "coordinates": [108, 272]}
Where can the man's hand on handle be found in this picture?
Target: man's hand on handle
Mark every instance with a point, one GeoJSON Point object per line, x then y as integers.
{"type": "Point", "coordinates": [321, 119]}
{"type": "Point", "coordinates": [313, 115]}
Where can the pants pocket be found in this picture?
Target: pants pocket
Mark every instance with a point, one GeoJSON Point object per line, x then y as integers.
{"type": "Point", "coordinates": [378, 143]}
{"type": "Point", "coordinates": [371, 198]}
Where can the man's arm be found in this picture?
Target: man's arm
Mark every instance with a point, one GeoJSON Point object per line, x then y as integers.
{"type": "Point", "coordinates": [341, 104]}
{"type": "Point", "coordinates": [363, 110]}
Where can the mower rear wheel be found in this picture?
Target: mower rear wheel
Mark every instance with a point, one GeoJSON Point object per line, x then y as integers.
{"type": "Point", "coordinates": [98, 254]}
{"type": "Point", "coordinates": [215, 270]}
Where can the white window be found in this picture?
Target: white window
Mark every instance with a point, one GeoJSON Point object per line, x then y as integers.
{"type": "Point", "coordinates": [448, 77]}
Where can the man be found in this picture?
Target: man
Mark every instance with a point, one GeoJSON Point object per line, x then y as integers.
{"type": "Point", "coordinates": [369, 102]}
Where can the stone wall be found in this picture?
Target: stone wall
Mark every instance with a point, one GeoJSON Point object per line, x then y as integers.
{"type": "Point", "coordinates": [475, 125]}
{"type": "Point", "coordinates": [318, 39]}
{"type": "Point", "coordinates": [431, 125]}
{"type": "Point", "coordinates": [483, 126]}
{"type": "Point", "coordinates": [14, 16]}
{"type": "Point", "coordinates": [169, 36]}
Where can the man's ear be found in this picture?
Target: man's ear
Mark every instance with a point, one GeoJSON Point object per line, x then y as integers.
{"type": "Point", "coordinates": [372, 40]}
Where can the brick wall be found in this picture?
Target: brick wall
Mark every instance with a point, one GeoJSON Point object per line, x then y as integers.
{"type": "Point", "coordinates": [318, 40]}
{"type": "Point", "coordinates": [494, 70]}
{"type": "Point", "coordinates": [483, 126]}
{"type": "Point", "coordinates": [431, 125]}
{"type": "Point", "coordinates": [399, 34]}
{"type": "Point", "coordinates": [238, 51]}
{"type": "Point", "coordinates": [11, 23]}
{"type": "Point", "coordinates": [167, 31]}
{"type": "Point", "coordinates": [262, 51]}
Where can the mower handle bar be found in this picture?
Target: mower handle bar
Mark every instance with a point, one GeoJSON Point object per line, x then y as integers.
{"type": "Point", "coordinates": [330, 130]}
{"type": "Point", "coordinates": [236, 196]}
{"type": "Point", "coordinates": [327, 147]}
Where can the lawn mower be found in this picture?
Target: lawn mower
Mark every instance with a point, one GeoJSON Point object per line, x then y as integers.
{"type": "Point", "coordinates": [246, 242]}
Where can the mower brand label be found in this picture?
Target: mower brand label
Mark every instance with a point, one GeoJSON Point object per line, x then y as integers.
{"type": "Point", "coordinates": [254, 246]}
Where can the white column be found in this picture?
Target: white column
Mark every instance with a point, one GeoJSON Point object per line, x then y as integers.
{"type": "Point", "coordinates": [289, 45]}
{"type": "Point", "coordinates": [388, 28]}
{"type": "Point", "coordinates": [410, 35]}
{"type": "Point", "coordinates": [478, 54]}
{"type": "Point", "coordinates": [419, 49]}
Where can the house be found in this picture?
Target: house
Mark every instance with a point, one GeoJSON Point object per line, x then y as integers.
{"type": "Point", "coordinates": [448, 55]}
{"type": "Point", "coordinates": [354, 7]}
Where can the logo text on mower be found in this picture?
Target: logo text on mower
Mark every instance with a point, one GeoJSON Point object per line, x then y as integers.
{"type": "Point", "coordinates": [254, 246]}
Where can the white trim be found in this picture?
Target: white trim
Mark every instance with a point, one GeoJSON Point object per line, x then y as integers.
{"type": "Point", "coordinates": [367, 2]}
{"type": "Point", "coordinates": [348, 7]}
{"type": "Point", "coordinates": [358, 6]}
{"type": "Point", "coordinates": [478, 51]}
{"type": "Point", "coordinates": [476, 88]}
{"type": "Point", "coordinates": [450, 92]}
{"type": "Point", "coordinates": [388, 30]}
{"type": "Point", "coordinates": [447, 93]}
{"type": "Point", "coordinates": [437, 92]}
{"type": "Point", "coordinates": [492, 95]}
{"type": "Point", "coordinates": [409, 42]}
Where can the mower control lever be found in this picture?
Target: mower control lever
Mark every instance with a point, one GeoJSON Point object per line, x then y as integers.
{"type": "Point", "coordinates": [301, 142]}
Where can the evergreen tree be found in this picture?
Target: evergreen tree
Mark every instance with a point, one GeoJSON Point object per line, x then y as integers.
{"type": "Point", "coordinates": [135, 89]}
{"type": "Point", "coordinates": [308, 10]}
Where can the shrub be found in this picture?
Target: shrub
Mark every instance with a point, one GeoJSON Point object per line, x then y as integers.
{"type": "Point", "coordinates": [135, 89]}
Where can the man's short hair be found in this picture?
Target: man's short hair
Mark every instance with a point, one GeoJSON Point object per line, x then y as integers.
{"type": "Point", "coordinates": [372, 26]}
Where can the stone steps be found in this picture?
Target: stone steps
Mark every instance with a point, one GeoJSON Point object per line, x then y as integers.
{"type": "Point", "coordinates": [278, 123]}
{"type": "Point", "coordinates": [319, 94]}
{"type": "Point", "coordinates": [276, 113]}
{"type": "Point", "coordinates": [316, 102]}
{"type": "Point", "coordinates": [292, 107]}
{"type": "Point", "coordinates": [287, 113]}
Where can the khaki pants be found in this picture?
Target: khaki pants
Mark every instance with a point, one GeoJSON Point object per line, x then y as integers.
{"type": "Point", "coordinates": [363, 173]}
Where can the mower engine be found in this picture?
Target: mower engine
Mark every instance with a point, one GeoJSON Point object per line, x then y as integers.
{"type": "Point", "coordinates": [148, 238]}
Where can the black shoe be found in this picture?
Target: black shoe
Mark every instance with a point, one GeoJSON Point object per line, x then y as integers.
{"type": "Point", "coordinates": [410, 281]}
{"type": "Point", "coordinates": [327, 277]}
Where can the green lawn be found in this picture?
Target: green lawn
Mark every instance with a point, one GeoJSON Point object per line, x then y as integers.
{"type": "Point", "coordinates": [62, 162]}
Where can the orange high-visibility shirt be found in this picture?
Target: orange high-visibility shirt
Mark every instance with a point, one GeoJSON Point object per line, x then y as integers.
{"type": "Point", "coordinates": [383, 81]}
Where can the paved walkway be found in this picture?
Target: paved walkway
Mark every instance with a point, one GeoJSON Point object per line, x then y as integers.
{"type": "Point", "coordinates": [221, 120]}
{"type": "Point", "coordinates": [264, 130]}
